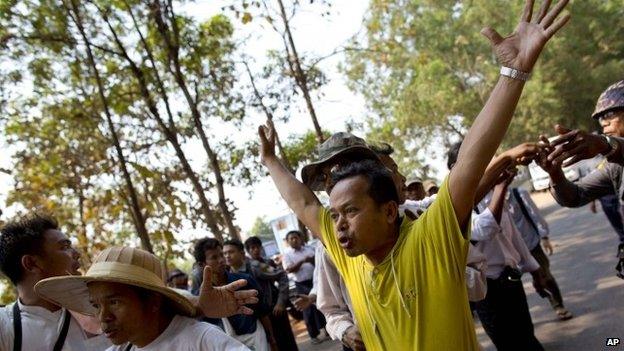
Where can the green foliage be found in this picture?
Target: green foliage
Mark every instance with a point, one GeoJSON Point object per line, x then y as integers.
{"type": "Point", "coordinates": [65, 160]}
{"type": "Point", "coordinates": [425, 71]}
{"type": "Point", "coordinates": [7, 292]}
{"type": "Point", "coordinates": [261, 229]}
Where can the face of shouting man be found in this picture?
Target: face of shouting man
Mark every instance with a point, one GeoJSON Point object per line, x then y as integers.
{"type": "Point", "coordinates": [364, 210]}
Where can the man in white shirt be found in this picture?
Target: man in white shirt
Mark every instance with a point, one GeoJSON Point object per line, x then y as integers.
{"type": "Point", "coordinates": [124, 288]}
{"type": "Point", "coordinates": [299, 262]}
{"type": "Point", "coordinates": [33, 248]}
{"type": "Point", "coordinates": [504, 312]}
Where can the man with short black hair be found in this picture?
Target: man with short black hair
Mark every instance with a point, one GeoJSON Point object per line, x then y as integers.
{"type": "Point", "coordinates": [267, 274]}
{"type": "Point", "coordinates": [406, 278]}
{"type": "Point", "coordinates": [33, 248]}
{"type": "Point", "coordinates": [298, 260]}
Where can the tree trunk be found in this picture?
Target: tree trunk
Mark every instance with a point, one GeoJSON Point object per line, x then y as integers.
{"type": "Point", "coordinates": [176, 71]}
{"type": "Point", "coordinates": [300, 76]}
{"type": "Point", "coordinates": [137, 215]}
{"type": "Point", "coordinates": [171, 134]}
{"type": "Point", "coordinates": [83, 241]}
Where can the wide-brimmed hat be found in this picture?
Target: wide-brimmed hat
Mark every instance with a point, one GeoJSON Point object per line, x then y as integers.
{"type": "Point", "coordinates": [124, 265]}
{"type": "Point", "coordinates": [611, 99]}
{"type": "Point", "coordinates": [340, 144]}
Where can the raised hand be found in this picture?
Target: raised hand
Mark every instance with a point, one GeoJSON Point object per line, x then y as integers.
{"type": "Point", "coordinates": [227, 300]}
{"type": "Point", "coordinates": [521, 49]}
{"type": "Point", "coordinates": [575, 145]}
{"type": "Point", "coordinates": [267, 141]}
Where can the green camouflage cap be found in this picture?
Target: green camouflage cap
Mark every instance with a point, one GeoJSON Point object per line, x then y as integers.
{"type": "Point", "coordinates": [611, 99]}
{"type": "Point", "coordinates": [339, 145]}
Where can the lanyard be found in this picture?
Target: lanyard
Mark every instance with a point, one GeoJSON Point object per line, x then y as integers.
{"type": "Point", "coordinates": [17, 329]}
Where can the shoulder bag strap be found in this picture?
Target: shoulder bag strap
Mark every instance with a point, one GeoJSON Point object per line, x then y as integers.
{"type": "Point", "coordinates": [64, 329]}
{"type": "Point", "coordinates": [17, 327]}
{"type": "Point", "coordinates": [524, 210]}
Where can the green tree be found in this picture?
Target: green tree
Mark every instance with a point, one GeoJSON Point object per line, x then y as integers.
{"type": "Point", "coordinates": [157, 80]}
{"type": "Point", "coordinates": [262, 229]}
{"type": "Point", "coordinates": [425, 70]}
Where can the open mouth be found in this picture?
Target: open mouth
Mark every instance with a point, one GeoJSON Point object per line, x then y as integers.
{"type": "Point", "coordinates": [345, 242]}
{"type": "Point", "coordinates": [110, 333]}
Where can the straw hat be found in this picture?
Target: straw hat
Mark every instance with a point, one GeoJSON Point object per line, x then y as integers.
{"type": "Point", "coordinates": [123, 265]}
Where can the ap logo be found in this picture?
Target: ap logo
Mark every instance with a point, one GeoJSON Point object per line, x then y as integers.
{"type": "Point", "coordinates": [613, 341]}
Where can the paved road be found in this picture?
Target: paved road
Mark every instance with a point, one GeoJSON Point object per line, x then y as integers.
{"type": "Point", "coordinates": [583, 264]}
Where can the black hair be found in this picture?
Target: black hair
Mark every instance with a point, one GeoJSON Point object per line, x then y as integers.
{"type": "Point", "coordinates": [294, 232]}
{"type": "Point", "coordinates": [382, 148]}
{"type": "Point", "coordinates": [381, 187]}
{"type": "Point", "coordinates": [199, 250]}
{"type": "Point", "coordinates": [235, 242]}
{"type": "Point", "coordinates": [252, 241]}
{"type": "Point", "coordinates": [22, 236]}
{"type": "Point", "coordinates": [451, 155]}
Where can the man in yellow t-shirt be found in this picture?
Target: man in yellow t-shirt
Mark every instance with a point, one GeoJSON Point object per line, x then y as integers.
{"type": "Point", "coordinates": [406, 279]}
{"type": "Point", "coordinates": [415, 298]}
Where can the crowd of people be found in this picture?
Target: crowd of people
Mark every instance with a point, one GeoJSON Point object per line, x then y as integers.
{"type": "Point", "coordinates": [399, 264]}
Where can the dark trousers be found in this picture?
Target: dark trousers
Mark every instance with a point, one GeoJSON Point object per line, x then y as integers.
{"type": "Point", "coordinates": [282, 332]}
{"type": "Point", "coordinates": [611, 207]}
{"type": "Point", "coordinates": [313, 318]}
{"type": "Point", "coordinates": [505, 316]}
{"type": "Point", "coordinates": [550, 289]}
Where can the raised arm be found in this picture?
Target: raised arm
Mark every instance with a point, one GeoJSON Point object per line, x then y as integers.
{"type": "Point", "coordinates": [519, 51]}
{"type": "Point", "coordinates": [299, 197]}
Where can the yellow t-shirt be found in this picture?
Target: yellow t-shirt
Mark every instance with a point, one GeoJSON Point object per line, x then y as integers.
{"type": "Point", "coordinates": [428, 261]}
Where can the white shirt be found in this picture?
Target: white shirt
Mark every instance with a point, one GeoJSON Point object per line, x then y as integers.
{"type": "Point", "coordinates": [41, 328]}
{"type": "Point", "coordinates": [332, 297]}
{"type": "Point", "coordinates": [188, 334]}
{"type": "Point", "coordinates": [417, 207]}
{"type": "Point", "coordinates": [292, 256]}
{"type": "Point", "coordinates": [501, 243]}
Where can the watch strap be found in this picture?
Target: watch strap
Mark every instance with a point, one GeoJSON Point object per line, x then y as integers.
{"type": "Point", "coordinates": [514, 73]}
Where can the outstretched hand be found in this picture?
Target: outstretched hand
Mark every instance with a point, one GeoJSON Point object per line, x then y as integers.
{"type": "Point", "coordinates": [521, 49]}
{"type": "Point", "coordinates": [574, 145]}
{"type": "Point", "coordinates": [267, 141]}
{"type": "Point", "coordinates": [227, 300]}
{"type": "Point", "coordinates": [524, 153]}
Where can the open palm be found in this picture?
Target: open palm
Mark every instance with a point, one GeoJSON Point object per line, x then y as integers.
{"type": "Point", "coordinates": [521, 49]}
{"type": "Point", "coordinates": [227, 300]}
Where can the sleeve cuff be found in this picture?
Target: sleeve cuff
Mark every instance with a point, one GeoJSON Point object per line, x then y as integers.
{"type": "Point", "coordinates": [337, 329]}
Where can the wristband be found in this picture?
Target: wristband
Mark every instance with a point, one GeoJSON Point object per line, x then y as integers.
{"type": "Point", "coordinates": [514, 73]}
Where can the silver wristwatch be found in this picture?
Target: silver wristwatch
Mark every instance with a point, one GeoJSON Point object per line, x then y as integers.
{"type": "Point", "coordinates": [514, 73]}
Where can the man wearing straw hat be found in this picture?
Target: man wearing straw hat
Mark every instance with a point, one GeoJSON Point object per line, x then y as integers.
{"type": "Point", "coordinates": [125, 289]}
{"type": "Point", "coordinates": [33, 248]}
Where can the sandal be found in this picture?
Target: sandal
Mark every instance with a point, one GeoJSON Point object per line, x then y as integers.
{"type": "Point", "coordinates": [563, 314]}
